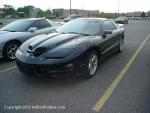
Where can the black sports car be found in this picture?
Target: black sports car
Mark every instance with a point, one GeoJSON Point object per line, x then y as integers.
{"type": "Point", "coordinates": [77, 45]}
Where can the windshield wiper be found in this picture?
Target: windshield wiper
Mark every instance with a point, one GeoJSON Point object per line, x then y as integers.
{"type": "Point", "coordinates": [8, 30]}
{"type": "Point", "coordinates": [80, 33]}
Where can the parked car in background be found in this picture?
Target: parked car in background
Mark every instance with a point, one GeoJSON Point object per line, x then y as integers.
{"type": "Point", "coordinates": [15, 33]}
{"type": "Point", "coordinates": [8, 16]}
{"type": "Point", "coordinates": [122, 20]}
{"type": "Point", "coordinates": [77, 45]}
{"type": "Point", "coordinates": [71, 17]}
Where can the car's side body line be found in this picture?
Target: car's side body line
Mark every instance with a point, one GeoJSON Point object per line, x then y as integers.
{"type": "Point", "coordinates": [109, 48]}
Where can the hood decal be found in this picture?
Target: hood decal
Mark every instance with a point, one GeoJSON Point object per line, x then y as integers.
{"type": "Point", "coordinates": [42, 39]}
{"type": "Point", "coordinates": [53, 41]}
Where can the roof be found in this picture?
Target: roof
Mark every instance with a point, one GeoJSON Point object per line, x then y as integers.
{"type": "Point", "coordinates": [101, 19]}
{"type": "Point", "coordinates": [34, 18]}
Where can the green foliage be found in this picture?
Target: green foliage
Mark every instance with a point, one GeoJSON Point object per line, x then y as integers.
{"type": "Point", "coordinates": [26, 10]}
{"type": "Point", "coordinates": [76, 12]}
{"type": "Point", "coordinates": [143, 14]}
{"type": "Point", "coordinates": [31, 11]}
{"type": "Point", "coordinates": [9, 10]}
{"type": "Point", "coordinates": [148, 13]}
{"type": "Point", "coordinates": [109, 15]}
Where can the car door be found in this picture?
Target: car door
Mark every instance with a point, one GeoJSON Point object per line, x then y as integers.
{"type": "Point", "coordinates": [109, 40]}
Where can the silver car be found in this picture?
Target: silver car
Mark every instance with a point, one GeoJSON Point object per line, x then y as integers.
{"type": "Point", "coordinates": [15, 33]}
{"type": "Point", "coordinates": [122, 20]}
{"type": "Point", "coordinates": [71, 17]}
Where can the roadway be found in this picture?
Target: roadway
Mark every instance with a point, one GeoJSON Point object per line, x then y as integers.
{"type": "Point", "coordinates": [106, 92]}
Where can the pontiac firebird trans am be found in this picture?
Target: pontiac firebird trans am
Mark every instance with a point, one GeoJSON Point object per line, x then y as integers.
{"type": "Point", "coordinates": [76, 46]}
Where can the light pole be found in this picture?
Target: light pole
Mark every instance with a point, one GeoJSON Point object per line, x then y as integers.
{"type": "Point", "coordinates": [118, 6]}
{"type": "Point", "coordinates": [70, 7]}
{"type": "Point", "coordinates": [82, 9]}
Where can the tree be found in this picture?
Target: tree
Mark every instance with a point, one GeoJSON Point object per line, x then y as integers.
{"type": "Point", "coordinates": [26, 9]}
{"type": "Point", "coordinates": [40, 13]}
{"type": "Point", "coordinates": [9, 10]}
{"type": "Point", "coordinates": [148, 13]}
{"type": "Point", "coordinates": [143, 14]}
{"type": "Point", "coordinates": [76, 12]}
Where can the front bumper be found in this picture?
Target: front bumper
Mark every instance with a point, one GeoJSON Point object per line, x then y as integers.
{"type": "Point", "coordinates": [46, 68]}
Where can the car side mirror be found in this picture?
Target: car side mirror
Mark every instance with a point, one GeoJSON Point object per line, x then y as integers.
{"type": "Point", "coordinates": [106, 33]}
{"type": "Point", "coordinates": [32, 29]}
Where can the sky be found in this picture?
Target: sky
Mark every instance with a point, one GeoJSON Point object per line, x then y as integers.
{"type": "Point", "coordinates": [102, 5]}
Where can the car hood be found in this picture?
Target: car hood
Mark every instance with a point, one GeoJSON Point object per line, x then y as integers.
{"type": "Point", "coordinates": [55, 48]}
{"type": "Point", "coordinates": [54, 41]}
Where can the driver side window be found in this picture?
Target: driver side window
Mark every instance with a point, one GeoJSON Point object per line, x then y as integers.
{"type": "Point", "coordinates": [40, 24]}
{"type": "Point", "coordinates": [108, 25]}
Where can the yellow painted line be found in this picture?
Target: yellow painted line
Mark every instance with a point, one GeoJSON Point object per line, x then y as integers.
{"type": "Point", "coordinates": [8, 69]}
{"type": "Point", "coordinates": [100, 103]}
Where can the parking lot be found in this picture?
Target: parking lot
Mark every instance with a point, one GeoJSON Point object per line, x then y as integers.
{"type": "Point", "coordinates": [121, 85]}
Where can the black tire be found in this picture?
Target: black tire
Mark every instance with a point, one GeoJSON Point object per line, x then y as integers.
{"type": "Point", "coordinates": [121, 44]}
{"type": "Point", "coordinates": [7, 48]}
{"type": "Point", "coordinates": [39, 73]}
{"type": "Point", "coordinates": [86, 73]}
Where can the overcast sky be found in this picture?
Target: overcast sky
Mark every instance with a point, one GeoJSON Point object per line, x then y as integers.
{"type": "Point", "coordinates": [102, 5]}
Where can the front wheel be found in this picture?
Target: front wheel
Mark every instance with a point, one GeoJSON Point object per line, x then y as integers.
{"type": "Point", "coordinates": [121, 44]}
{"type": "Point", "coordinates": [10, 50]}
{"type": "Point", "coordinates": [91, 64]}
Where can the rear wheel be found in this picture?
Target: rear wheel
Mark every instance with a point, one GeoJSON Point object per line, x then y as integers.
{"type": "Point", "coordinates": [91, 64]}
{"type": "Point", "coordinates": [10, 50]}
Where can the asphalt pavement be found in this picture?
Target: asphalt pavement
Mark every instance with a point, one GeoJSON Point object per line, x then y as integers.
{"type": "Point", "coordinates": [106, 92]}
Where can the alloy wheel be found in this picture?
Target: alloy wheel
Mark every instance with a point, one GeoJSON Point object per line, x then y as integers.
{"type": "Point", "coordinates": [93, 63]}
{"type": "Point", "coordinates": [11, 50]}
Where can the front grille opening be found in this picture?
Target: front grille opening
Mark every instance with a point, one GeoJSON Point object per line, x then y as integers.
{"type": "Point", "coordinates": [39, 51]}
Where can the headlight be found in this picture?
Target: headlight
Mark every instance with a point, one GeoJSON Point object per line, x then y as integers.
{"type": "Point", "coordinates": [59, 53]}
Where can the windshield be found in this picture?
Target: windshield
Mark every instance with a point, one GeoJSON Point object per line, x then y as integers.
{"type": "Point", "coordinates": [18, 26]}
{"type": "Point", "coordinates": [81, 26]}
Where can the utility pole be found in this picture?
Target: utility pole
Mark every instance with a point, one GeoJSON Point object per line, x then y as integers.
{"type": "Point", "coordinates": [118, 6]}
{"type": "Point", "coordinates": [70, 7]}
{"type": "Point", "coordinates": [82, 9]}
